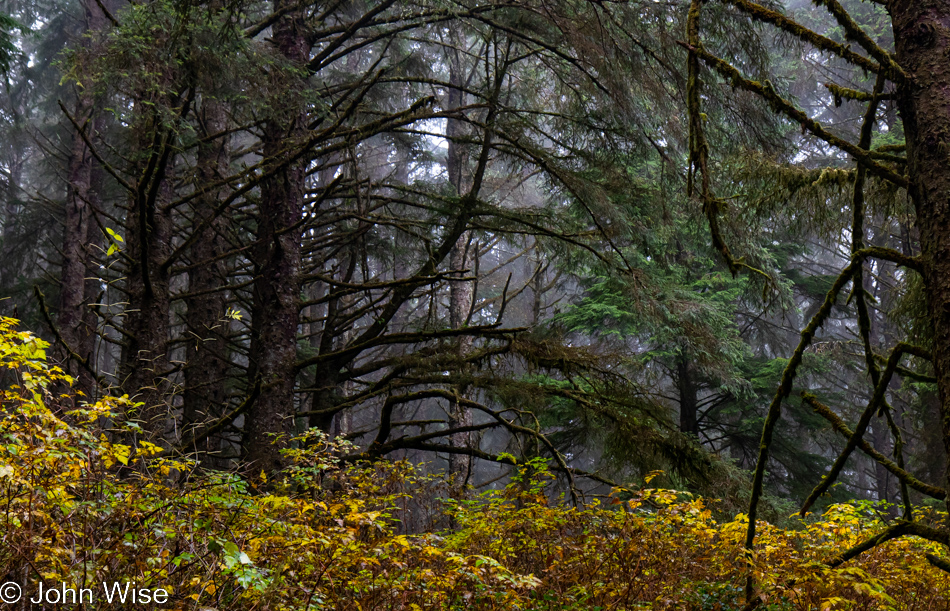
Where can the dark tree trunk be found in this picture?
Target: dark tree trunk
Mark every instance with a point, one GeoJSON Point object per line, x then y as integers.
{"type": "Point", "coordinates": [10, 263]}
{"type": "Point", "coordinates": [922, 38]}
{"type": "Point", "coordinates": [206, 358]}
{"type": "Point", "coordinates": [76, 255]}
{"type": "Point", "coordinates": [327, 374]}
{"type": "Point", "coordinates": [275, 310]}
{"type": "Point", "coordinates": [144, 366]}
{"type": "Point", "coordinates": [77, 322]}
{"type": "Point", "coordinates": [689, 422]}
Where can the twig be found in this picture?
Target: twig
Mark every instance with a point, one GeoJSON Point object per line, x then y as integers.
{"type": "Point", "coordinates": [59, 338]}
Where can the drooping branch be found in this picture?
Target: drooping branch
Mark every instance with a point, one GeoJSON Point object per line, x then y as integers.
{"type": "Point", "coordinates": [95, 153]}
{"type": "Point", "coordinates": [411, 338]}
{"type": "Point", "coordinates": [506, 459]}
{"type": "Point", "coordinates": [380, 445]}
{"type": "Point", "coordinates": [699, 148]}
{"type": "Point", "coordinates": [847, 93]}
{"type": "Point", "coordinates": [82, 361]}
{"type": "Point", "coordinates": [895, 531]}
{"type": "Point", "coordinates": [199, 435]}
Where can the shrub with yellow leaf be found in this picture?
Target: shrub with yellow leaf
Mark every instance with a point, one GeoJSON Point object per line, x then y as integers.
{"type": "Point", "coordinates": [82, 505]}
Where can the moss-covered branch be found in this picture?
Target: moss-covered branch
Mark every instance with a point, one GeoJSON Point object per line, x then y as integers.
{"type": "Point", "coordinates": [775, 407]}
{"type": "Point", "coordinates": [783, 106]}
{"type": "Point", "coordinates": [901, 528]}
{"type": "Point", "coordinates": [823, 43]}
{"type": "Point", "coordinates": [844, 93]}
{"type": "Point", "coordinates": [839, 425]}
{"type": "Point", "coordinates": [699, 149]}
{"type": "Point", "coordinates": [854, 32]}
{"type": "Point", "coordinates": [876, 402]}
{"type": "Point", "coordinates": [938, 562]}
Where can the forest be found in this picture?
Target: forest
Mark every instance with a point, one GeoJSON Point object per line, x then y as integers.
{"type": "Point", "coordinates": [475, 304]}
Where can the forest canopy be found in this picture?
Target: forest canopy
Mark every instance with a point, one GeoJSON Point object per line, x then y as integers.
{"type": "Point", "coordinates": [389, 273]}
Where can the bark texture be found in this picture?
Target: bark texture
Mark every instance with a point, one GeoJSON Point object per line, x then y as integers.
{"type": "Point", "coordinates": [205, 393]}
{"type": "Point", "coordinates": [460, 293]}
{"type": "Point", "coordinates": [689, 404]}
{"type": "Point", "coordinates": [77, 322]}
{"type": "Point", "coordinates": [922, 39]}
{"type": "Point", "coordinates": [144, 367]}
{"type": "Point", "coordinates": [276, 311]}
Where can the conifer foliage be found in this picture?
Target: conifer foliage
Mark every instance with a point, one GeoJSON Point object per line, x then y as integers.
{"type": "Point", "coordinates": [410, 301]}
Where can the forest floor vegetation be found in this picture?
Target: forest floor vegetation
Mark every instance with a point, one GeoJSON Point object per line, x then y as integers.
{"type": "Point", "coordinates": [81, 504]}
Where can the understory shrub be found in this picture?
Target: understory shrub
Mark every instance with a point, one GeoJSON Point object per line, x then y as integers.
{"type": "Point", "coordinates": [83, 503]}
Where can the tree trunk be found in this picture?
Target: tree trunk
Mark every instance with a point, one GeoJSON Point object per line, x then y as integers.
{"type": "Point", "coordinates": [460, 303]}
{"type": "Point", "coordinates": [460, 293]}
{"type": "Point", "coordinates": [922, 38]}
{"type": "Point", "coordinates": [275, 310]}
{"type": "Point", "coordinates": [688, 402]}
{"type": "Point", "coordinates": [77, 322]}
{"type": "Point", "coordinates": [206, 359]}
{"type": "Point", "coordinates": [144, 364]}
{"type": "Point", "coordinates": [9, 262]}
{"type": "Point", "coordinates": [880, 439]}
